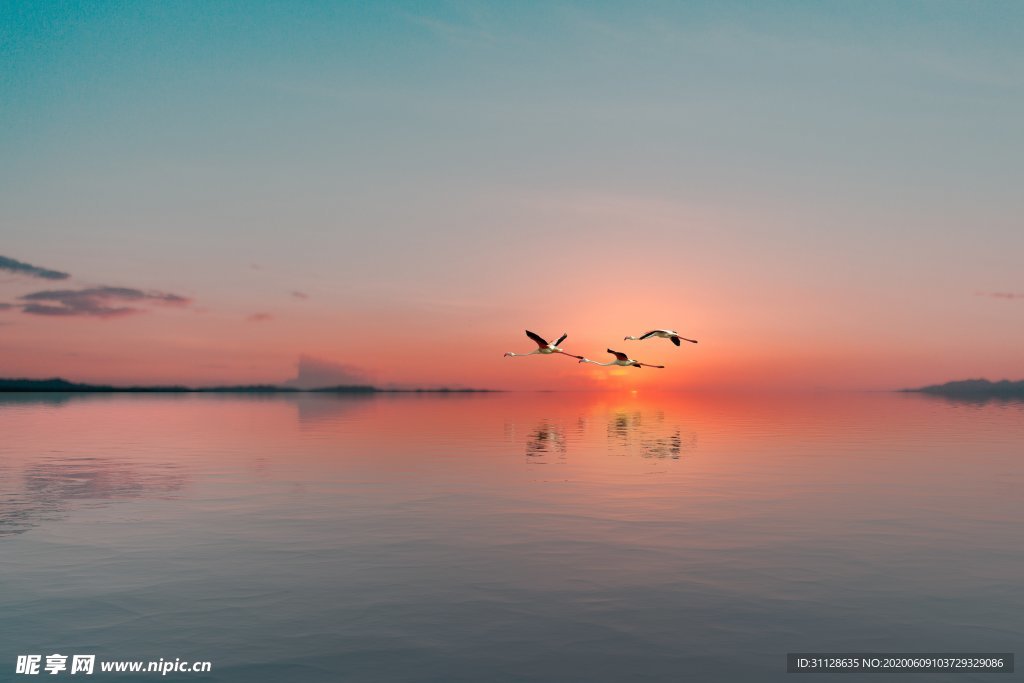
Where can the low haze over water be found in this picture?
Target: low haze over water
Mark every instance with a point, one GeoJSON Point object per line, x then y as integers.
{"type": "Point", "coordinates": [508, 537]}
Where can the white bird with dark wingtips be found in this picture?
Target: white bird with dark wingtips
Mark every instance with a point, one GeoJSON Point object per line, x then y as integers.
{"type": "Point", "coordinates": [664, 334]}
{"type": "Point", "coordinates": [543, 347]}
{"type": "Point", "coordinates": [623, 360]}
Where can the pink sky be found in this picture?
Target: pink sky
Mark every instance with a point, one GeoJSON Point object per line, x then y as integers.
{"type": "Point", "coordinates": [825, 199]}
{"type": "Point", "coordinates": [750, 337]}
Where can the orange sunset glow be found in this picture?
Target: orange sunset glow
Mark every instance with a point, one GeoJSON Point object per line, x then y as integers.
{"type": "Point", "coordinates": [219, 232]}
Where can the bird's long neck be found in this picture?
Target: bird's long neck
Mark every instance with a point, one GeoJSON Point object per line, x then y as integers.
{"type": "Point", "coordinates": [633, 338]}
{"type": "Point", "coordinates": [594, 362]}
{"type": "Point", "coordinates": [525, 354]}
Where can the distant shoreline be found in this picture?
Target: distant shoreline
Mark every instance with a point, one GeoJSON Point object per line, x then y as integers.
{"type": "Point", "coordinates": [974, 389]}
{"type": "Point", "coordinates": [971, 389]}
{"type": "Point", "coordinates": [61, 385]}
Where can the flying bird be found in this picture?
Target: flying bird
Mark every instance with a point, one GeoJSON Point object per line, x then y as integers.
{"type": "Point", "coordinates": [543, 347]}
{"type": "Point", "coordinates": [664, 334]}
{"type": "Point", "coordinates": [623, 360]}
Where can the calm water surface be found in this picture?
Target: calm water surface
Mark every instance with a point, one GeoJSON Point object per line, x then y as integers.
{"type": "Point", "coordinates": [508, 537]}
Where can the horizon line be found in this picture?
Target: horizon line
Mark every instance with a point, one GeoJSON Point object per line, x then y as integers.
{"type": "Point", "coordinates": [59, 385]}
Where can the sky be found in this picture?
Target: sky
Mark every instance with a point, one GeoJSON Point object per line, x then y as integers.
{"type": "Point", "coordinates": [825, 194]}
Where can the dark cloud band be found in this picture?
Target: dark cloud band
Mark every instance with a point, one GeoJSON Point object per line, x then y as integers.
{"type": "Point", "coordinates": [21, 268]}
{"type": "Point", "coordinates": [99, 302]}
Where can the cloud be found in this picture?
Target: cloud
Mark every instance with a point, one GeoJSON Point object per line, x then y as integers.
{"type": "Point", "coordinates": [28, 269]}
{"type": "Point", "coordinates": [259, 317]}
{"type": "Point", "coordinates": [98, 302]}
{"type": "Point", "coordinates": [1001, 295]}
{"type": "Point", "coordinates": [472, 32]}
{"type": "Point", "coordinates": [5, 307]}
{"type": "Point", "coordinates": [300, 295]}
{"type": "Point", "coordinates": [314, 373]}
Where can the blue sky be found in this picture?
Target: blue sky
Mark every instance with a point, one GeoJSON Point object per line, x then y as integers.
{"type": "Point", "coordinates": [804, 170]}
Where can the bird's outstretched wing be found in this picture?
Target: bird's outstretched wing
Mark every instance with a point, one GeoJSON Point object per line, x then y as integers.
{"type": "Point", "coordinates": [647, 334]}
{"type": "Point", "coordinates": [561, 339]}
{"type": "Point", "coordinates": [675, 340]}
{"type": "Point", "coordinates": [537, 338]}
{"type": "Point", "coordinates": [618, 354]}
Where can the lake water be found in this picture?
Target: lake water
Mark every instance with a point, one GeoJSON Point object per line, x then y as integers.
{"type": "Point", "coordinates": [508, 537]}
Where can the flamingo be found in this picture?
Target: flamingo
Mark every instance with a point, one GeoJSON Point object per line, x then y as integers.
{"type": "Point", "coordinates": [664, 334]}
{"type": "Point", "coordinates": [543, 347]}
{"type": "Point", "coordinates": [621, 359]}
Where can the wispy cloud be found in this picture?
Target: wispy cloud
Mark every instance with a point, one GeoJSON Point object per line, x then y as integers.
{"type": "Point", "coordinates": [472, 31]}
{"type": "Point", "coordinates": [22, 268]}
{"type": "Point", "coordinates": [6, 307]}
{"type": "Point", "coordinates": [259, 317]}
{"type": "Point", "coordinates": [97, 302]}
{"type": "Point", "coordinates": [1002, 295]}
{"type": "Point", "coordinates": [300, 295]}
{"type": "Point", "coordinates": [315, 372]}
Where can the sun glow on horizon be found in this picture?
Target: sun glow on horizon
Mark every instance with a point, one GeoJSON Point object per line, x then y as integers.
{"type": "Point", "coordinates": [405, 218]}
